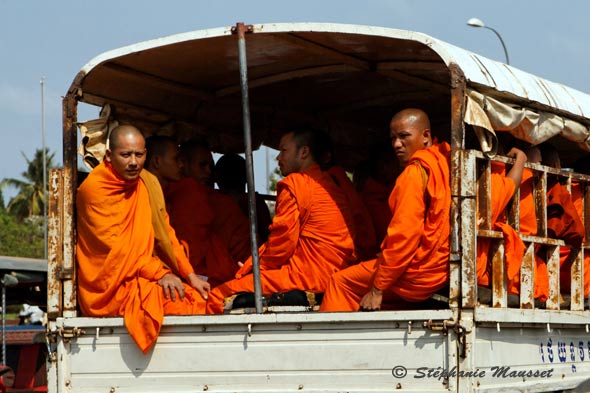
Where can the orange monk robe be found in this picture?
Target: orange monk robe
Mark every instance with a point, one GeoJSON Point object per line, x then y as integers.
{"type": "Point", "coordinates": [309, 240]}
{"type": "Point", "coordinates": [502, 190]}
{"type": "Point", "coordinates": [193, 217]}
{"type": "Point", "coordinates": [231, 226]}
{"type": "Point", "coordinates": [117, 272]}
{"type": "Point", "coordinates": [528, 226]}
{"type": "Point", "coordinates": [563, 222]}
{"type": "Point", "coordinates": [577, 199]}
{"type": "Point", "coordinates": [414, 262]}
{"type": "Point", "coordinates": [375, 196]}
{"type": "Point", "coordinates": [363, 232]}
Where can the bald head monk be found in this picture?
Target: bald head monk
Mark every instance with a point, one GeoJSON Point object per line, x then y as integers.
{"type": "Point", "coordinates": [309, 236]}
{"type": "Point", "coordinates": [119, 269]}
{"type": "Point", "coordinates": [414, 259]}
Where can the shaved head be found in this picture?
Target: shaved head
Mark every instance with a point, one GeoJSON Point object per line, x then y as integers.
{"type": "Point", "coordinates": [414, 116]}
{"type": "Point", "coordinates": [409, 131]}
{"type": "Point", "coordinates": [122, 132]}
{"type": "Point", "coordinates": [126, 152]}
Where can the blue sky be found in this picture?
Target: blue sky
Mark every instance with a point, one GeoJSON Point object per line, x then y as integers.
{"type": "Point", "coordinates": [54, 39]}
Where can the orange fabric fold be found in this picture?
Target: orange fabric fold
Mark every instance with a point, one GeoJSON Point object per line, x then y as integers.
{"type": "Point", "coordinates": [117, 272]}
{"type": "Point", "coordinates": [308, 241]}
{"type": "Point", "coordinates": [414, 262]}
{"type": "Point", "coordinates": [193, 217]}
{"type": "Point", "coordinates": [375, 196]}
{"type": "Point", "coordinates": [363, 231]}
{"type": "Point", "coordinates": [502, 190]}
{"type": "Point", "coordinates": [563, 222]}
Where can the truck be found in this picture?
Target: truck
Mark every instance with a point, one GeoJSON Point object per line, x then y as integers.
{"type": "Point", "coordinates": [237, 86]}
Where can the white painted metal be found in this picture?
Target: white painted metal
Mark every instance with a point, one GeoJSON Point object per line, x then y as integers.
{"type": "Point", "coordinates": [277, 353]}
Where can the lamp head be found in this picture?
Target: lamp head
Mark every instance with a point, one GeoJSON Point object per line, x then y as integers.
{"type": "Point", "coordinates": [475, 22]}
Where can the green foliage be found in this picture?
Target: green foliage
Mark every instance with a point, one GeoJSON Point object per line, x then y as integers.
{"type": "Point", "coordinates": [29, 200]}
{"type": "Point", "coordinates": [22, 239]}
{"type": "Point", "coordinates": [274, 178]}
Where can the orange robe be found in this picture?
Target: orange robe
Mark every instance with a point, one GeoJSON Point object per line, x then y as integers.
{"type": "Point", "coordinates": [193, 217]}
{"type": "Point", "coordinates": [309, 240]}
{"type": "Point", "coordinates": [375, 195]}
{"type": "Point", "coordinates": [363, 231]}
{"type": "Point", "coordinates": [117, 272]}
{"type": "Point", "coordinates": [502, 189]}
{"type": "Point", "coordinates": [528, 226]}
{"type": "Point", "coordinates": [563, 222]}
{"type": "Point", "coordinates": [414, 262]}
{"type": "Point", "coordinates": [231, 226]}
{"type": "Point", "coordinates": [577, 199]}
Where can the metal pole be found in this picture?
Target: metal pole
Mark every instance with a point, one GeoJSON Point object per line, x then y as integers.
{"type": "Point", "coordinates": [241, 29]}
{"type": "Point", "coordinates": [44, 168]}
{"type": "Point", "coordinates": [3, 324]}
{"type": "Point", "coordinates": [501, 41]}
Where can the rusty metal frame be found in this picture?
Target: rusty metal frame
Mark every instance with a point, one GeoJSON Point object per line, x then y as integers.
{"type": "Point", "coordinates": [70, 170]}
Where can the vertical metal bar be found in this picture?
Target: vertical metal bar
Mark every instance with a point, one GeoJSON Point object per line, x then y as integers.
{"type": "Point", "coordinates": [499, 279]}
{"type": "Point", "coordinates": [457, 145]}
{"type": "Point", "coordinates": [44, 167]}
{"type": "Point", "coordinates": [552, 258]}
{"type": "Point", "coordinates": [54, 245]}
{"type": "Point", "coordinates": [527, 278]}
{"type": "Point", "coordinates": [70, 170]}
{"type": "Point", "coordinates": [468, 230]}
{"type": "Point", "coordinates": [3, 324]}
{"type": "Point", "coordinates": [241, 29]}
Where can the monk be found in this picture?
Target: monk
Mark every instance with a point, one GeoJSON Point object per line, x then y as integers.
{"type": "Point", "coordinates": [362, 231]}
{"type": "Point", "coordinates": [119, 271]}
{"type": "Point", "coordinates": [163, 159]}
{"type": "Point", "coordinates": [374, 180]}
{"type": "Point", "coordinates": [309, 238]}
{"type": "Point", "coordinates": [563, 219]}
{"type": "Point", "coordinates": [211, 223]}
{"type": "Point", "coordinates": [503, 186]}
{"type": "Point", "coordinates": [230, 176]}
{"type": "Point", "coordinates": [414, 259]}
{"type": "Point", "coordinates": [582, 166]}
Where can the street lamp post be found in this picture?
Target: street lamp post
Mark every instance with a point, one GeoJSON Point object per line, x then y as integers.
{"type": "Point", "coordinates": [475, 22]}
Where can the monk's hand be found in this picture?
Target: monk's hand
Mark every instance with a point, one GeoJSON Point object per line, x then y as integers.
{"type": "Point", "coordinates": [171, 284]}
{"type": "Point", "coordinates": [202, 286]}
{"type": "Point", "coordinates": [372, 300]}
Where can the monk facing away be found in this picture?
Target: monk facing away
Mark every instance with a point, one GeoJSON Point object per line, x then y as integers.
{"type": "Point", "coordinates": [120, 272]}
{"type": "Point", "coordinates": [414, 258]}
{"type": "Point", "coordinates": [309, 236]}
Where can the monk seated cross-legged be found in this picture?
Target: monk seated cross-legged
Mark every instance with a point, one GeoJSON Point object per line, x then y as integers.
{"type": "Point", "coordinates": [414, 259]}
{"type": "Point", "coordinates": [120, 273]}
{"type": "Point", "coordinates": [309, 238]}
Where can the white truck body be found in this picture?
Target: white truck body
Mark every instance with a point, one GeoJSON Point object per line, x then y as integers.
{"type": "Point", "coordinates": [348, 77]}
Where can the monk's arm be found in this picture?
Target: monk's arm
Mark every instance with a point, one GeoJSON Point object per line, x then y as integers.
{"type": "Point", "coordinates": [284, 232]}
{"type": "Point", "coordinates": [520, 159]}
{"type": "Point", "coordinates": [405, 229]}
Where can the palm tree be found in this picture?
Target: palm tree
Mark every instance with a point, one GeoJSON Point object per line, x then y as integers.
{"type": "Point", "coordinates": [29, 200]}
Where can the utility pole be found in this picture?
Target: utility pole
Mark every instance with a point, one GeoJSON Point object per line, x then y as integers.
{"type": "Point", "coordinates": [44, 168]}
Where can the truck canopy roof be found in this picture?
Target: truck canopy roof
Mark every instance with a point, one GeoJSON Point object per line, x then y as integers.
{"type": "Point", "coordinates": [346, 79]}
